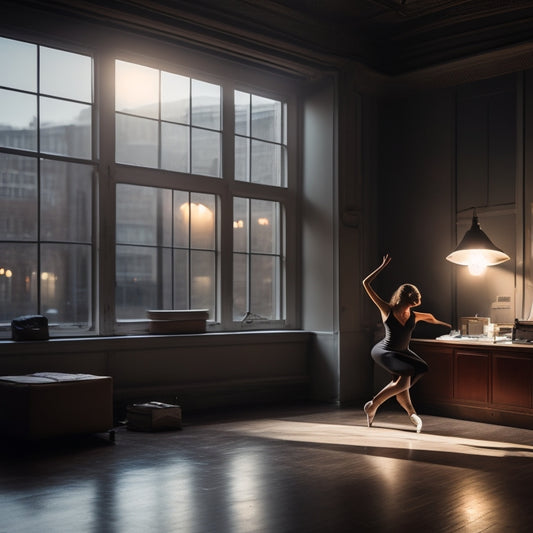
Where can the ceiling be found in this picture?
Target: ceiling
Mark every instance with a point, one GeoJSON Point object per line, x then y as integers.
{"type": "Point", "coordinates": [392, 37]}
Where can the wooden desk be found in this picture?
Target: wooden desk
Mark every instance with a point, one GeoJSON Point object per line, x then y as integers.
{"type": "Point", "coordinates": [477, 381]}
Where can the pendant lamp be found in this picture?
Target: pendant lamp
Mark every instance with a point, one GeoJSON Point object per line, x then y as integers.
{"type": "Point", "coordinates": [476, 250]}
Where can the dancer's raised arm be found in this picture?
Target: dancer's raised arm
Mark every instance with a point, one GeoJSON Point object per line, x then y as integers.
{"type": "Point", "coordinates": [382, 305]}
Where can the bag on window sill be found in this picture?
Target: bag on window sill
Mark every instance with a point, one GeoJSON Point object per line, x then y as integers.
{"type": "Point", "coordinates": [30, 328]}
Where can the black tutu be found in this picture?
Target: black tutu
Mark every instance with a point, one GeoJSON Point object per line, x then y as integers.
{"type": "Point", "coordinates": [399, 363]}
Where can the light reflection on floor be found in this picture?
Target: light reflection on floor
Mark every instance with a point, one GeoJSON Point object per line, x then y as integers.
{"type": "Point", "coordinates": [384, 436]}
{"type": "Point", "coordinates": [296, 472]}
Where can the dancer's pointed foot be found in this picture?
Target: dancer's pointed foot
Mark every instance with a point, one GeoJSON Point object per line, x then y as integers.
{"type": "Point", "coordinates": [369, 412]}
{"type": "Point", "coordinates": [417, 421]}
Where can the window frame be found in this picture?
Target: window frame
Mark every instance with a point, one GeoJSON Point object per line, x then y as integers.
{"type": "Point", "coordinates": [224, 187]}
{"type": "Point", "coordinates": [41, 156]}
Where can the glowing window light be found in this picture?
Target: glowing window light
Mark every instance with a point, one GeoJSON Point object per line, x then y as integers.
{"type": "Point", "coordinates": [200, 211]}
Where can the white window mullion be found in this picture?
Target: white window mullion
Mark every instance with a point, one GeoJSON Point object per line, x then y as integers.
{"type": "Point", "coordinates": [106, 191]}
{"type": "Point", "coordinates": [226, 200]}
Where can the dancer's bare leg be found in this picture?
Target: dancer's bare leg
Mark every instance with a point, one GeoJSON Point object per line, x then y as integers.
{"type": "Point", "coordinates": [404, 399]}
{"type": "Point", "coordinates": [393, 388]}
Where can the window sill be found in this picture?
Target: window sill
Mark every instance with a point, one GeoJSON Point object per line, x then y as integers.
{"type": "Point", "coordinates": [139, 342]}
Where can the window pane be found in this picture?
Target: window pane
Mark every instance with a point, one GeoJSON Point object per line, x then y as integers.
{"type": "Point", "coordinates": [18, 120]}
{"type": "Point", "coordinates": [77, 85]}
{"type": "Point", "coordinates": [24, 56]}
{"type": "Point", "coordinates": [264, 286]}
{"type": "Point", "coordinates": [66, 201]}
{"type": "Point", "coordinates": [266, 119]}
{"type": "Point", "coordinates": [202, 216]}
{"type": "Point", "coordinates": [66, 283]}
{"type": "Point", "coordinates": [175, 147]}
{"type": "Point", "coordinates": [181, 218]}
{"type": "Point", "coordinates": [242, 159]}
{"type": "Point", "coordinates": [65, 128]}
{"type": "Point", "coordinates": [175, 98]}
{"type": "Point", "coordinates": [136, 89]}
{"type": "Point", "coordinates": [167, 142]}
{"type": "Point", "coordinates": [205, 105]}
{"type": "Point", "coordinates": [267, 164]}
{"type": "Point", "coordinates": [181, 279]}
{"type": "Point", "coordinates": [18, 280]}
{"type": "Point", "coordinates": [240, 284]}
{"type": "Point", "coordinates": [260, 149]}
{"type": "Point", "coordinates": [264, 226]}
{"type": "Point", "coordinates": [144, 215]}
{"type": "Point", "coordinates": [18, 198]}
{"type": "Point", "coordinates": [256, 259]}
{"type": "Point", "coordinates": [242, 113]}
{"type": "Point", "coordinates": [136, 141]}
{"type": "Point", "coordinates": [198, 214]}
{"type": "Point", "coordinates": [240, 224]}
{"type": "Point", "coordinates": [142, 280]}
{"type": "Point", "coordinates": [203, 281]}
{"type": "Point", "coordinates": [206, 153]}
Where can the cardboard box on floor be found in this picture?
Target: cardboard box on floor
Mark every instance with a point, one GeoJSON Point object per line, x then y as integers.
{"type": "Point", "coordinates": [153, 416]}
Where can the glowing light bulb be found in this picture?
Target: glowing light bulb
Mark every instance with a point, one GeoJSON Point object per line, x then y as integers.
{"type": "Point", "coordinates": [476, 269]}
{"type": "Point", "coordinates": [477, 264]}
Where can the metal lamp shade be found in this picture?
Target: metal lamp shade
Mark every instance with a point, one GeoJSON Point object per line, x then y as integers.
{"type": "Point", "coordinates": [475, 243]}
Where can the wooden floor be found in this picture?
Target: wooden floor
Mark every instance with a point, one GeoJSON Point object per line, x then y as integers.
{"type": "Point", "coordinates": [298, 469]}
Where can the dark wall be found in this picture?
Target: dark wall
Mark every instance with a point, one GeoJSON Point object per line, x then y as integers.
{"type": "Point", "coordinates": [441, 154]}
{"type": "Point", "coordinates": [489, 147]}
{"type": "Point", "coordinates": [415, 204]}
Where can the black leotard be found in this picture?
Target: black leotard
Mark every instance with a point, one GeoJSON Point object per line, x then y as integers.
{"type": "Point", "coordinates": [393, 353]}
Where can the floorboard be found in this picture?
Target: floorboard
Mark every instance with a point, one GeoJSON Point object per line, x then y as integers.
{"type": "Point", "coordinates": [285, 469]}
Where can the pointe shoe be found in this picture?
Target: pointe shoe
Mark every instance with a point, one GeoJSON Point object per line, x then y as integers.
{"type": "Point", "coordinates": [417, 421]}
{"type": "Point", "coordinates": [369, 417]}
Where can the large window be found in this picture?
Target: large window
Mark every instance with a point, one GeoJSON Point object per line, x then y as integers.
{"type": "Point", "coordinates": [168, 249]}
{"type": "Point", "coordinates": [46, 185]}
{"type": "Point", "coordinates": [191, 170]}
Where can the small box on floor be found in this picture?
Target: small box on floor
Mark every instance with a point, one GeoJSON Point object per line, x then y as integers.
{"type": "Point", "coordinates": [153, 416]}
